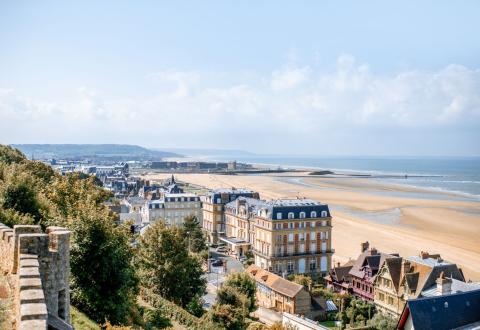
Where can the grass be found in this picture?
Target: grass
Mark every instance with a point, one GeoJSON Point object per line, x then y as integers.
{"type": "Point", "coordinates": [328, 324]}
{"type": "Point", "coordinates": [81, 321]}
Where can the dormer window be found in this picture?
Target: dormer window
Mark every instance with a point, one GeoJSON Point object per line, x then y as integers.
{"type": "Point", "coordinates": [302, 215]}
{"type": "Point", "coordinates": [291, 215]}
{"type": "Point", "coordinates": [279, 215]}
{"type": "Point", "coordinates": [324, 214]}
{"type": "Point", "coordinates": [313, 214]}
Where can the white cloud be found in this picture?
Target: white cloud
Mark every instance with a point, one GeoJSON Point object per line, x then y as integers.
{"type": "Point", "coordinates": [289, 77]}
{"type": "Point", "coordinates": [291, 105]}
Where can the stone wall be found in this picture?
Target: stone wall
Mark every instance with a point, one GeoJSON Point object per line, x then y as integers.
{"type": "Point", "coordinates": [39, 263]}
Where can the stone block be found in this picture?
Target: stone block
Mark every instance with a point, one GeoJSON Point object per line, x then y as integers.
{"type": "Point", "coordinates": [32, 262]}
{"type": "Point", "coordinates": [30, 283]}
{"type": "Point", "coordinates": [32, 296]}
{"type": "Point", "coordinates": [29, 272]}
{"type": "Point", "coordinates": [33, 324]}
{"type": "Point", "coordinates": [36, 311]}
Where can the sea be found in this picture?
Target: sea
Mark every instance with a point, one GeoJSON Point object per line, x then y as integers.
{"type": "Point", "coordinates": [456, 175]}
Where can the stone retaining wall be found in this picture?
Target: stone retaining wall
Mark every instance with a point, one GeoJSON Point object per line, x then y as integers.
{"type": "Point", "coordinates": [40, 266]}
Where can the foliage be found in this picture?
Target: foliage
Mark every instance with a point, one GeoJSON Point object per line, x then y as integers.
{"type": "Point", "coordinates": [382, 322]}
{"type": "Point", "coordinates": [11, 217]}
{"type": "Point", "coordinates": [280, 326]}
{"type": "Point", "coordinates": [228, 316]}
{"type": "Point", "coordinates": [244, 284]}
{"type": "Point", "coordinates": [357, 312]}
{"type": "Point", "coordinates": [81, 321]}
{"type": "Point", "coordinates": [195, 306]}
{"type": "Point", "coordinates": [194, 237]}
{"type": "Point", "coordinates": [306, 281]}
{"type": "Point", "coordinates": [257, 326]}
{"type": "Point", "coordinates": [107, 287]}
{"type": "Point", "coordinates": [9, 155]}
{"type": "Point", "coordinates": [232, 306]}
{"type": "Point", "coordinates": [166, 267]}
{"type": "Point", "coordinates": [172, 311]}
{"type": "Point", "coordinates": [155, 320]}
{"type": "Point", "coordinates": [322, 292]}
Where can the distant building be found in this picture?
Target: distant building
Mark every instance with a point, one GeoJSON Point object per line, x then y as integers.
{"type": "Point", "coordinates": [286, 236]}
{"type": "Point", "coordinates": [459, 311]}
{"type": "Point", "coordinates": [214, 209]}
{"type": "Point", "coordinates": [173, 208]}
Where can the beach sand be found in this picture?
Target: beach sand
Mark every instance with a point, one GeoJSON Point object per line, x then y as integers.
{"type": "Point", "coordinates": [393, 218]}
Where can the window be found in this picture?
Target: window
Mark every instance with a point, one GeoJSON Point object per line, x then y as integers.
{"type": "Point", "coordinates": [290, 225]}
{"type": "Point", "coordinates": [390, 300]}
{"type": "Point", "coordinates": [313, 264]}
{"type": "Point", "coordinates": [279, 215]}
{"type": "Point", "coordinates": [290, 266]}
{"type": "Point", "coordinates": [313, 214]}
{"type": "Point", "coordinates": [279, 238]}
{"type": "Point", "coordinates": [324, 214]}
{"type": "Point", "coordinates": [302, 215]}
{"type": "Point", "coordinates": [381, 296]}
{"type": "Point", "coordinates": [324, 223]}
{"type": "Point", "coordinates": [61, 304]}
{"type": "Point", "coordinates": [291, 215]}
{"type": "Point", "coordinates": [290, 237]}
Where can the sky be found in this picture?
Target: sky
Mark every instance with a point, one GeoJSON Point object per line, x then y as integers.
{"type": "Point", "coordinates": [271, 77]}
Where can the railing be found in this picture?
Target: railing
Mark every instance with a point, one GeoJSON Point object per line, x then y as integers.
{"type": "Point", "coordinates": [293, 254]}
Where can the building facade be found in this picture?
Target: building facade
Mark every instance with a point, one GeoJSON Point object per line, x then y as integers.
{"type": "Point", "coordinates": [364, 271]}
{"type": "Point", "coordinates": [286, 236]}
{"type": "Point", "coordinates": [402, 279]}
{"type": "Point", "coordinates": [173, 208]}
{"type": "Point", "coordinates": [213, 204]}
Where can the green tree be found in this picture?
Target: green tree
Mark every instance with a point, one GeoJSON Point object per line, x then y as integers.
{"type": "Point", "coordinates": [245, 285]}
{"type": "Point", "coordinates": [21, 197]}
{"type": "Point", "coordinates": [231, 308]}
{"type": "Point", "coordinates": [104, 283]}
{"type": "Point", "coordinates": [306, 281]}
{"type": "Point", "coordinates": [382, 322]}
{"type": "Point", "coordinates": [194, 236]}
{"type": "Point", "coordinates": [166, 267]}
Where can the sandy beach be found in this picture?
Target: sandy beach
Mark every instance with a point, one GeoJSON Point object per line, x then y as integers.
{"type": "Point", "coordinates": [393, 218]}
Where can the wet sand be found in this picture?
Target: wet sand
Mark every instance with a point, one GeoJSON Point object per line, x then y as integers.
{"type": "Point", "coordinates": [392, 218]}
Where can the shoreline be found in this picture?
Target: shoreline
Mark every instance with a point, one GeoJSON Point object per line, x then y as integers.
{"type": "Point", "coordinates": [382, 176]}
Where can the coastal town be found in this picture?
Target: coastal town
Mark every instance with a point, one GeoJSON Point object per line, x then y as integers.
{"type": "Point", "coordinates": [286, 246]}
{"type": "Point", "coordinates": [239, 165]}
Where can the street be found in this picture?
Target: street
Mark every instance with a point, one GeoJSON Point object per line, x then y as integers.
{"type": "Point", "coordinates": [217, 276]}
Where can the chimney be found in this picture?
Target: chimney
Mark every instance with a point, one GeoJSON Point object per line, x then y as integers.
{"type": "Point", "coordinates": [406, 266]}
{"type": "Point", "coordinates": [424, 255]}
{"type": "Point", "coordinates": [444, 285]}
{"type": "Point", "coordinates": [338, 264]}
{"type": "Point", "coordinates": [373, 251]}
{"type": "Point", "coordinates": [364, 246]}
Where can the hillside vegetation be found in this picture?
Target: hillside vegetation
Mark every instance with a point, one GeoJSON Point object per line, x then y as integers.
{"type": "Point", "coordinates": [114, 152]}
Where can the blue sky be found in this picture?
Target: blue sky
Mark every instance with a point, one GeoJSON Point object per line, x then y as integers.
{"type": "Point", "coordinates": [308, 77]}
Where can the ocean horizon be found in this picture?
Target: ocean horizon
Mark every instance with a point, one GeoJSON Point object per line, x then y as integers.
{"type": "Point", "coordinates": [457, 175]}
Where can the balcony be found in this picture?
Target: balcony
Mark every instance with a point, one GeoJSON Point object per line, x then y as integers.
{"type": "Point", "coordinates": [290, 255]}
